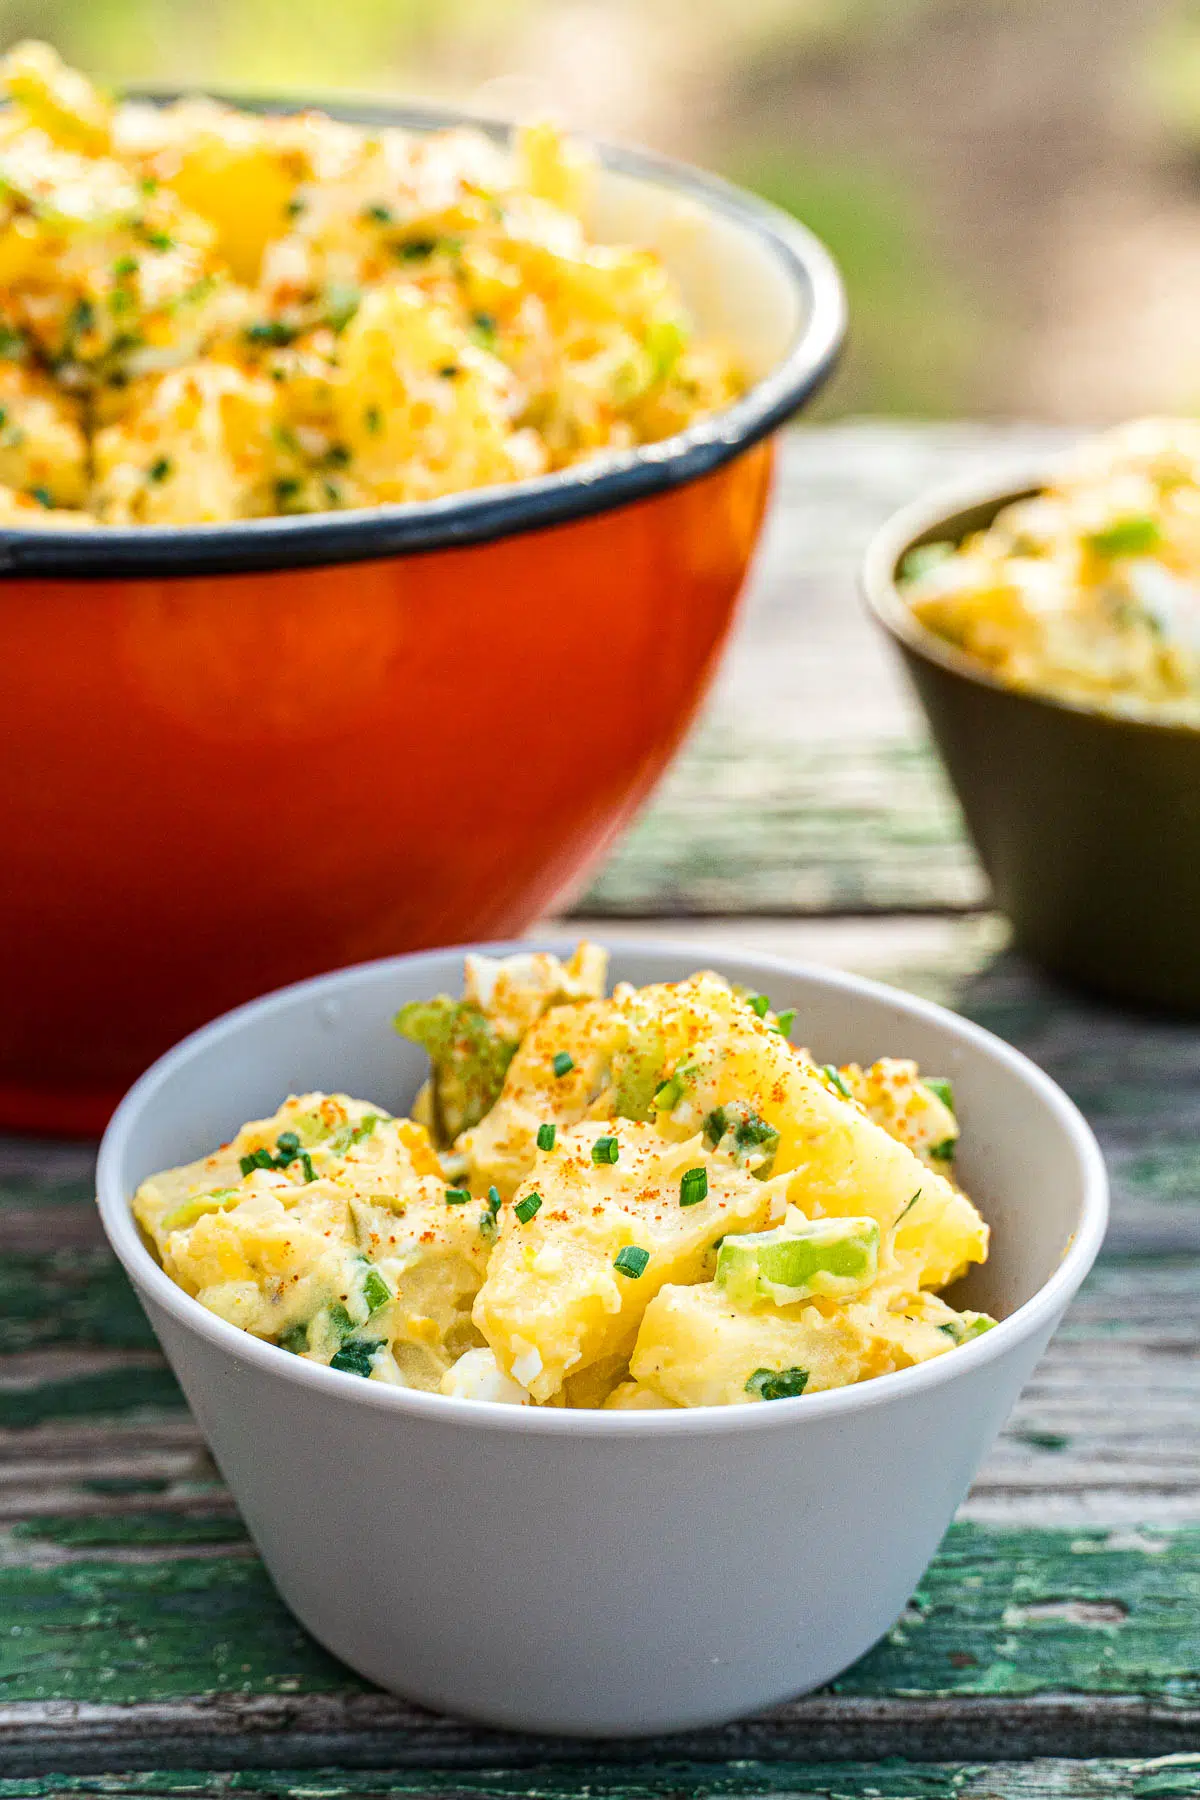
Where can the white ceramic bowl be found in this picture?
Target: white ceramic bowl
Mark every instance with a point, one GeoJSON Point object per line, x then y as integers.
{"type": "Point", "coordinates": [605, 1573]}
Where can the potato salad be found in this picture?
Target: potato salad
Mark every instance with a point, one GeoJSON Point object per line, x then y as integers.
{"type": "Point", "coordinates": [1090, 589]}
{"type": "Point", "coordinates": [208, 314]}
{"type": "Point", "coordinates": [637, 1200]}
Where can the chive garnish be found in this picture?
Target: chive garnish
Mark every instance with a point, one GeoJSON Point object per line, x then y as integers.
{"type": "Point", "coordinates": [785, 1020]}
{"type": "Point", "coordinates": [944, 1152]}
{"type": "Point", "coordinates": [487, 1218]}
{"type": "Point", "coordinates": [295, 1340]}
{"type": "Point", "coordinates": [759, 1005]}
{"type": "Point", "coordinates": [563, 1063]}
{"type": "Point", "coordinates": [631, 1261]}
{"type": "Point", "coordinates": [526, 1208]}
{"type": "Point", "coordinates": [605, 1150]}
{"type": "Point", "coordinates": [693, 1187]}
{"type": "Point", "coordinates": [457, 1196]}
{"type": "Point", "coordinates": [378, 214]}
{"type": "Point", "coordinates": [836, 1080]}
{"type": "Point", "coordinates": [289, 1141]}
{"type": "Point", "coordinates": [545, 1137]}
{"type": "Point", "coordinates": [777, 1384]}
{"type": "Point", "coordinates": [270, 331]}
{"type": "Point", "coordinates": [43, 497]}
{"type": "Point", "coordinates": [159, 469]}
{"type": "Point", "coordinates": [909, 1207]}
{"type": "Point", "coordinates": [373, 419]}
{"type": "Point", "coordinates": [256, 1159]}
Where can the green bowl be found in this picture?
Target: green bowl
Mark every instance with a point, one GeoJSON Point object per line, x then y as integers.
{"type": "Point", "coordinates": [1088, 824]}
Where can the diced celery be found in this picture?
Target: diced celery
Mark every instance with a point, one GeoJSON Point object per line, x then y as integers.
{"type": "Point", "coordinates": [834, 1258]}
{"type": "Point", "coordinates": [376, 1291]}
{"type": "Point", "coordinates": [219, 1200]}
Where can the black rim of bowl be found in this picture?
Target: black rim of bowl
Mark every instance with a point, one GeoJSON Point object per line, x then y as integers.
{"type": "Point", "coordinates": [937, 518]}
{"type": "Point", "coordinates": [478, 516]}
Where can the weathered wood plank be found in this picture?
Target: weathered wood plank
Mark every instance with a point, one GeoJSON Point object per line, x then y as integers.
{"type": "Point", "coordinates": [810, 785]}
{"type": "Point", "coordinates": [1056, 1779]}
{"type": "Point", "coordinates": [745, 826]}
{"type": "Point", "coordinates": [1011, 1637]}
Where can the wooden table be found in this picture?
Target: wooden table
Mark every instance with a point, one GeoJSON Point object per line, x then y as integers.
{"type": "Point", "coordinates": [1054, 1646]}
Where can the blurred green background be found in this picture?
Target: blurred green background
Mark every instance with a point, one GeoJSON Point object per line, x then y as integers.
{"type": "Point", "coordinates": [1012, 186]}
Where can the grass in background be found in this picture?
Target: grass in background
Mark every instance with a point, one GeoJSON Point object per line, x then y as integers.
{"type": "Point", "coordinates": [915, 333]}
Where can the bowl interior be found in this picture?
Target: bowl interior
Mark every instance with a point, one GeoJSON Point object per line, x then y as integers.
{"type": "Point", "coordinates": [740, 284]}
{"type": "Point", "coordinates": [1028, 1159]}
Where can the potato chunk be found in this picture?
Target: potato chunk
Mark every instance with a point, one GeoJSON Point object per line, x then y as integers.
{"type": "Point", "coordinates": [560, 1295]}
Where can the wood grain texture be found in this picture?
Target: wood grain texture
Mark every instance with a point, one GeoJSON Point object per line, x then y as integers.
{"type": "Point", "coordinates": [1159, 1778]}
{"type": "Point", "coordinates": [810, 785]}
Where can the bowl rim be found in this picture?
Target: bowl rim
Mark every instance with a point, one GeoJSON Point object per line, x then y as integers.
{"type": "Point", "coordinates": [1042, 1306]}
{"type": "Point", "coordinates": [481, 515]}
{"type": "Point", "coordinates": [922, 521]}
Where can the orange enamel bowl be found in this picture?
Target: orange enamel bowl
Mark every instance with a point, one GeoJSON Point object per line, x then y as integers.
{"type": "Point", "coordinates": [237, 755]}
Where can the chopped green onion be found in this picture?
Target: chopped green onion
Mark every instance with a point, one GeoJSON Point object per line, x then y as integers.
{"type": "Point", "coordinates": [545, 1137]}
{"type": "Point", "coordinates": [270, 331]}
{"type": "Point", "coordinates": [631, 1261]}
{"type": "Point", "coordinates": [785, 1020]}
{"type": "Point", "coordinates": [295, 206]}
{"type": "Point", "coordinates": [295, 1340]}
{"type": "Point", "coordinates": [563, 1063]}
{"type": "Point", "coordinates": [355, 1359]}
{"type": "Point", "coordinates": [777, 1384]}
{"type": "Point", "coordinates": [714, 1125]}
{"type": "Point", "coordinates": [938, 1085]}
{"type": "Point", "coordinates": [487, 1218]}
{"type": "Point", "coordinates": [373, 419]}
{"type": "Point", "coordinates": [483, 330]}
{"type": "Point", "coordinates": [909, 1207]}
{"type": "Point", "coordinates": [305, 1161]}
{"type": "Point", "coordinates": [1133, 536]}
{"type": "Point", "coordinates": [836, 1080]}
{"type": "Point", "coordinates": [159, 469]}
{"type": "Point", "coordinates": [288, 1141]}
{"type": "Point", "coordinates": [526, 1208]}
{"type": "Point", "coordinates": [750, 1133]}
{"type": "Point", "coordinates": [605, 1150]}
{"type": "Point", "coordinates": [340, 1320]}
{"type": "Point", "coordinates": [759, 1005]}
{"type": "Point", "coordinates": [378, 214]}
{"type": "Point", "coordinates": [159, 240]}
{"type": "Point", "coordinates": [257, 1159]}
{"type": "Point", "coordinates": [43, 497]}
{"type": "Point", "coordinates": [693, 1187]}
{"type": "Point", "coordinates": [457, 1196]}
{"type": "Point", "coordinates": [944, 1152]}
{"type": "Point", "coordinates": [416, 249]}
{"type": "Point", "coordinates": [376, 1291]}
